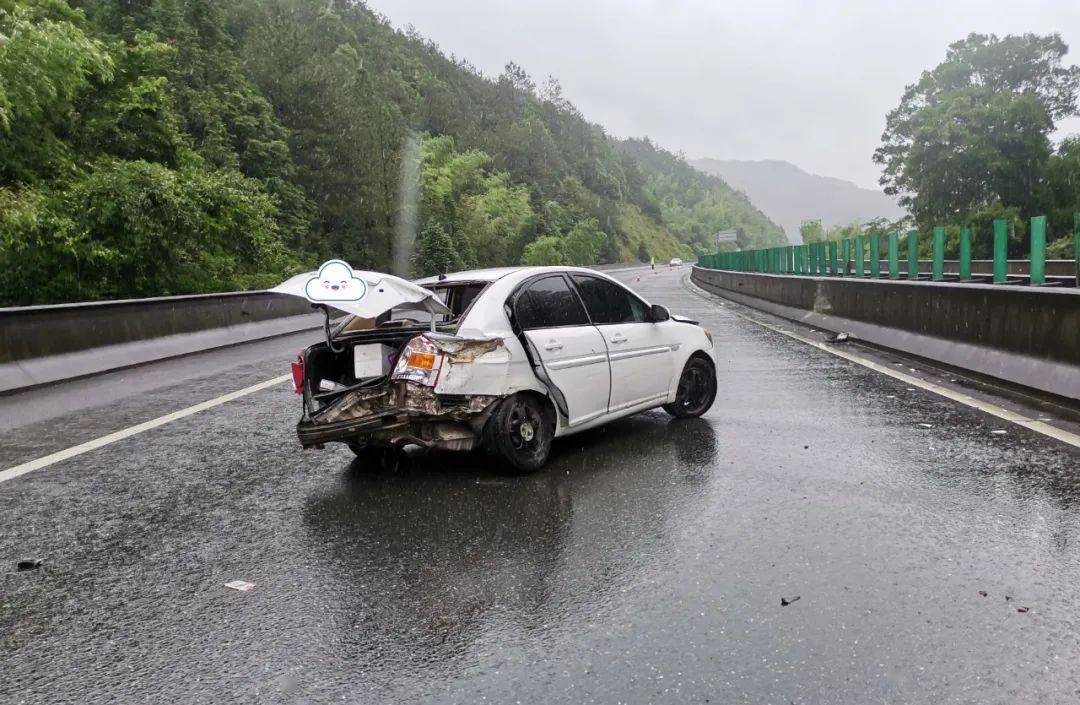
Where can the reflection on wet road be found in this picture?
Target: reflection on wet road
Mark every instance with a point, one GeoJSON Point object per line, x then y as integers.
{"type": "Point", "coordinates": [645, 564]}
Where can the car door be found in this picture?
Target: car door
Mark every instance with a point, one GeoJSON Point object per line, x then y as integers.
{"type": "Point", "coordinates": [568, 352]}
{"type": "Point", "coordinates": [640, 352]}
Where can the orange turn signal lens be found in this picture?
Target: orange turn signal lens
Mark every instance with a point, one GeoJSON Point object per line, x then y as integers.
{"type": "Point", "coordinates": [422, 361]}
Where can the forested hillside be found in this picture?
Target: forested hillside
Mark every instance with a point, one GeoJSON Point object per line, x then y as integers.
{"type": "Point", "coordinates": [175, 146]}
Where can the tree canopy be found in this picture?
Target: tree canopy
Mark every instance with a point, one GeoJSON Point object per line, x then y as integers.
{"type": "Point", "coordinates": [973, 135]}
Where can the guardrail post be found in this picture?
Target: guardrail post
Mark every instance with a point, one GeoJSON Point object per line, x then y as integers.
{"type": "Point", "coordinates": [875, 256]}
{"type": "Point", "coordinates": [939, 253]}
{"type": "Point", "coordinates": [1037, 269]}
{"type": "Point", "coordinates": [965, 254]}
{"type": "Point", "coordinates": [845, 256]}
{"type": "Point", "coordinates": [1001, 242]}
{"type": "Point", "coordinates": [913, 255]}
{"type": "Point", "coordinates": [860, 257]}
{"type": "Point", "coordinates": [894, 255]}
{"type": "Point", "coordinates": [833, 269]}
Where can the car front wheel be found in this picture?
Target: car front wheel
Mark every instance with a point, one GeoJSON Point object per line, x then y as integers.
{"type": "Point", "coordinates": [697, 390]}
{"type": "Point", "coordinates": [519, 432]}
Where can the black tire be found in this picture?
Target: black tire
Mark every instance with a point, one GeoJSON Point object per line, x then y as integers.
{"type": "Point", "coordinates": [697, 390]}
{"type": "Point", "coordinates": [519, 433]}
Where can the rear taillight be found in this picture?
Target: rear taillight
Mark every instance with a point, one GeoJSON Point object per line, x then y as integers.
{"type": "Point", "coordinates": [420, 362]}
{"type": "Point", "coordinates": [298, 374]}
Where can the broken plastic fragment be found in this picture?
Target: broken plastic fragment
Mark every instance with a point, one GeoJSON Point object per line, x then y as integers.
{"type": "Point", "coordinates": [999, 432]}
{"type": "Point", "coordinates": [785, 601]}
{"type": "Point", "coordinates": [28, 564]}
{"type": "Point", "coordinates": [927, 425]}
{"type": "Point", "coordinates": [240, 585]}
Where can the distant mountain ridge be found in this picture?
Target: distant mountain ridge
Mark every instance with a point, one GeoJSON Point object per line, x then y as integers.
{"type": "Point", "coordinates": [789, 195]}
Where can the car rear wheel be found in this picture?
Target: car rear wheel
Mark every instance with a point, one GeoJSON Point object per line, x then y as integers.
{"type": "Point", "coordinates": [697, 390]}
{"type": "Point", "coordinates": [519, 432]}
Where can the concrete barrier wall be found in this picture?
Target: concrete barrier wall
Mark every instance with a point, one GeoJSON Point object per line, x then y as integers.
{"type": "Point", "coordinates": [1025, 335]}
{"type": "Point", "coordinates": [42, 344]}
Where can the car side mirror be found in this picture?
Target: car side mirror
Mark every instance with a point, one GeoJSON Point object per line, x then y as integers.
{"type": "Point", "coordinates": [658, 313]}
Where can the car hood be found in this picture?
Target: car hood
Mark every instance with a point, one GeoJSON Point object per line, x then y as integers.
{"type": "Point", "coordinates": [380, 293]}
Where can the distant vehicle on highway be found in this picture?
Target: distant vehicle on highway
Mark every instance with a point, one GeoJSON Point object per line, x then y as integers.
{"type": "Point", "coordinates": [675, 262]}
{"type": "Point", "coordinates": [505, 359]}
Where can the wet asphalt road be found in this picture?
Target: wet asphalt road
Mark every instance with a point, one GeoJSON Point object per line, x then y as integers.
{"type": "Point", "coordinates": [645, 564]}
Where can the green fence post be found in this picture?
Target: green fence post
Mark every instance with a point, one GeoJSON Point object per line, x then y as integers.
{"type": "Point", "coordinates": [894, 255]}
{"type": "Point", "coordinates": [913, 254]}
{"type": "Point", "coordinates": [833, 270]}
{"type": "Point", "coordinates": [875, 256]}
{"type": "Point", "coordinates": [1037, 268]}
{"type": "Point", "coordinates": [965, 254]}
{"type": "Point", "coordinates": [1076, 247]}
{"type": "Point", "coordinates": [845, 256]}
{"type": "Point", "coordinates": [939, 254]}
{"type": "Point", "coordinates": [860, 257]}
{"type": "Point", "coordinates": [1001, 257]}
{"type": "Point", "coordinates": [820, 257]}
{"type": "Point", "coordinates": [798, 259]}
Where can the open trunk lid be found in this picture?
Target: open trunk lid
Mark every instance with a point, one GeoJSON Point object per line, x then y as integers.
{"type": "Point", "coordinates": [361, 293]}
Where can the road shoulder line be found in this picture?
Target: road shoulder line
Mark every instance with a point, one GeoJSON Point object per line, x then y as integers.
{"type": "Point", "coordinates": [1035, 425]}
{"type": "Point", "coordinates": [45, 461]}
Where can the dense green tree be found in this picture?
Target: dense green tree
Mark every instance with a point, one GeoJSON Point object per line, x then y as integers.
{"type": "Point", "coordinates": [436, 252]}
{"type": "Point", "coordinates": [975, 129]}
{"type": "Point", "coordinates": [581, 245]}
{"type": "Point", "coordinates": [546, 250]}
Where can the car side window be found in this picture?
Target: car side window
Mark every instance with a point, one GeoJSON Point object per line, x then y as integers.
{"type": "Point", "coordinates": [608, 302]}
{"type": "Point", "coordinates": [548, 303]}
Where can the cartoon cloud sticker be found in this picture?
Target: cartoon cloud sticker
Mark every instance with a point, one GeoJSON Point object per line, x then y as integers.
{"type": "Point", "coordinates": [335, 282]}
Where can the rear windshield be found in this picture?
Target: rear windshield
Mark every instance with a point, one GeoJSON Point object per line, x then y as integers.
{"type": "Point", "coordinates": [458, 297]}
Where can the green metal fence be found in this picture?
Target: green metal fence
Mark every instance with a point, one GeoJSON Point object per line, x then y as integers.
{"type": "Point", "coordinates": [848, 258]}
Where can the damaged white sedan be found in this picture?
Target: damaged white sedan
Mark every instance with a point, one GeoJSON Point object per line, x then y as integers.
{"type": "Point", "coordinates": [505, 359]}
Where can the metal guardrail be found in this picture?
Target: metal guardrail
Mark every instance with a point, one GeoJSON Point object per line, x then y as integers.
{"type": "Point", "coordinates": [850, 258]}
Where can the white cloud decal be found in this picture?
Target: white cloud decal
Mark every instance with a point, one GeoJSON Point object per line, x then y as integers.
{"type": "Point", "coordinates": [335, 282]}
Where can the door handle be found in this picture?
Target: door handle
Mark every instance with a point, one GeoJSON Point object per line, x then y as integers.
{"type": "Point", "coordinates": [618, 338]}
{"type": "Point", "coordinates": [552, 346]}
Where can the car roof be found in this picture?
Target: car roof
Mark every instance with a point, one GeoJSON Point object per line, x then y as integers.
{"type": "Point", "coordinates": [471, 275]}
{"type": "Point", "coordinates": [496, 273]}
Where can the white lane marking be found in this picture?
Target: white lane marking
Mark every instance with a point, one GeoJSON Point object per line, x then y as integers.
{"type": "Point", "coordinates": [992, 409]}
{"type": "Point", "coordinates": [13, 472]}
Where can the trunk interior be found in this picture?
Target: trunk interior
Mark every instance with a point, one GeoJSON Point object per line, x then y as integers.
{"type": "Point", "coordinates": [329, 374]}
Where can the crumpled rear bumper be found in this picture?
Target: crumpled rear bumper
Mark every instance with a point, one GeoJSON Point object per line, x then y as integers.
{"type": "Point", "coordinates": [399, 413]}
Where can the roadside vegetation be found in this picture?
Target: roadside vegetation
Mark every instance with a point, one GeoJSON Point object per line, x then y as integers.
{"type": "Point", "coordinates": [971, 142]}
{"type": "Point", "coordinates": [181, 146]}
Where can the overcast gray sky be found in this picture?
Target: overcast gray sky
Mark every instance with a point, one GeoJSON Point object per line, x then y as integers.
{"type": "Point", "coordinates": [808, 82]}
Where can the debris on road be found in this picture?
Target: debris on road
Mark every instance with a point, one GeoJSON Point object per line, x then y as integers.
{"type": "Point", "coordinates": [785, 601]}
{"type": "Point", "coordinates": [983, 593]}
{"type": "Point", "coordinates": [28, 564]}
{"type": "Point", "coordinates": [1021, 610]}
{"type": "Point", "coordinates": [999, 432]}
{"type": "Point", "coordinates": [927, 425]}
{"type": "Point", "coordinates": [840, 337]}
{"type": "Point", "coordinates": [240, 585]}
